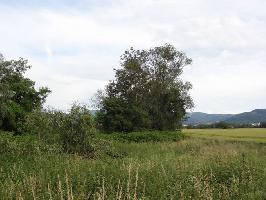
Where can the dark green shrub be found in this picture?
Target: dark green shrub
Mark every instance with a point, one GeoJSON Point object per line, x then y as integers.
{"type": "Point", "coordinates": [25, 145]}
{"type": "Point", "coordinates": [74, 130]}
{"type": "Point", "coordinates": [118, 115]}
{"type": "Point", "coordinates": [77, 131]}
{"type": "Point", "coordinates": [46, 124]}
{"type": "Point", "coordinates": [222, 125]}
{"type": "Point", "coordinates": [145, 136]}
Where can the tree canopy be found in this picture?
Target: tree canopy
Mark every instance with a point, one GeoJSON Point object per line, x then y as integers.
{"type": "Point", "coordinates": [18, 95]}
{"type": "Point", "coordinates": [147, 92]}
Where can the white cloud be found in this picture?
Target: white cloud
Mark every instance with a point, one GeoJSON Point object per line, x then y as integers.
{"type": "Point", "coordinates": [73, 50]}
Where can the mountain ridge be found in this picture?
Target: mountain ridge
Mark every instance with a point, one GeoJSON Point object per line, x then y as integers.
{"type": "Point", "coordinates": [254, 116]}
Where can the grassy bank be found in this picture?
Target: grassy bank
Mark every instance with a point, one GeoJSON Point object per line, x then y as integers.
{"type": "Point", "coordinates": [192, 168]}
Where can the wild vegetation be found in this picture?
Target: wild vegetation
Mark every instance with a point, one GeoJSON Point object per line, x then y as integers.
{"type": "Point", "coordinates": [132, 149]}
{"type": "Point", "coordinates": [147, 93]}
{"type": "Point", "coordinates": [192, 168]}
{"type": "Point", "coordinates": [18, 97]}
{"type": "Point", "coordinates": [242, 134]}
{"type": "Point", "coordinates": [225, 125]}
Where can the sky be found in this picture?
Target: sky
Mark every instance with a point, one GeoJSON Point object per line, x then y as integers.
{"type": "Point", "coordinates": [73, 46]}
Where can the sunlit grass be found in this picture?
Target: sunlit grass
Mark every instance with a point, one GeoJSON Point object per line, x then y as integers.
{"type": "Point", "coordinates": [244, 134]}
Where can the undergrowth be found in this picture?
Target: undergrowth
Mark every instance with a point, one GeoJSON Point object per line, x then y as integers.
{"type": "Point", "coordinates": [188, 169]}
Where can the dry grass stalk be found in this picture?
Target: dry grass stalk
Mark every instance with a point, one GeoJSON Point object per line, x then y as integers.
{"type": "Point", "coordinates": [49, 192]}
{"type": "Point", "coordinates": [20, 196]}
{"type": "Point", "coordinates": [68, 188]}
{"type": "Point", "coordinates": [136, 184]}
{"type": "Point", "coordinates": [129, 180]}
{"type": "Point", "coordinates": [117, 190]}
{"type": "Point", "coordinates": [33, 184]}
{"type": "Point", "coordinates": [60, 188]}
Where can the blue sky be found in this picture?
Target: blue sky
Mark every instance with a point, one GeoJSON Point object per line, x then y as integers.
{"type": "Point", "coordinates": [73, 47]}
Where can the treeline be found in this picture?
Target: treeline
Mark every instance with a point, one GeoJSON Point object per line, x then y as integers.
{"type": "Point", "coordinates": [21, 112]}
{"type": "Point", "coordinates": [225, 125]}
{"type": "Point", "coordinates": [146, 94]}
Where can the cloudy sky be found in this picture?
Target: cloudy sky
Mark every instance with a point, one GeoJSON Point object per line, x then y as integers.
{"type": "Point", "coordinates": [73, 47]}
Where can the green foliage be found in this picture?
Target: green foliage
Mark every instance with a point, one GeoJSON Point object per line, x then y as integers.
{"type": "Point", "coordinates": [74, 131]}
{"type": "Point", "coordinates": [145, 136]}
{"type": "Point", "coordinates": [118, 116]}
{"type": "Point", "coordinates": [46, 124]}
{"type": "Point", "coordinates": [222, 125]}
{"type": "Point", "coordinates": [77, 132]}
{"type": "Point", "coordinates": [17, 93]}
{"type": "Point", "coordinates": [147, 92]}
{"type": "Point", "coordinates": [25, 145]}
{"type": "Point", "coordinates": [189, 169]}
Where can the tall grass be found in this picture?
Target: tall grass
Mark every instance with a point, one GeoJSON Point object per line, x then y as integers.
{"type": "Point", "coordinates": [189, 169]}
{"type": "Point", "coordinates": [238, 134]}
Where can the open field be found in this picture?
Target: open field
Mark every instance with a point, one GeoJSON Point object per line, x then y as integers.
{"type": "Point", "coordinates": [244, 134]}
{"type": "Point", "coordinates": [192, 168]}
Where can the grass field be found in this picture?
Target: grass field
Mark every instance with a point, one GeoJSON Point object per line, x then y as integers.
{"type": "Point", "coordinates": [244, 134]}
{"type": "Point", "coordinates": [192, 168]}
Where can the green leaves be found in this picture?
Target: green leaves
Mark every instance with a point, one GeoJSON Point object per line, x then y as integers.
{"type": "Point", "coordinates": [77, 131]}
{"type": "Point", "coordinates": [147, 92]}
{"type": "Point", "coordinates": [18, 95]}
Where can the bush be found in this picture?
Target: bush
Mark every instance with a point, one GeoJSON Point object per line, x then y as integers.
{"type": "Point", "coordinates": [77, 132]}
{"type": "Point", "coordinates": [145, 136]}
{"type": "Point", "coordinates": [222, 125]}
{"type": "Point", "coordinates": [74, 131]}
{"type": "Point", "coordinates": [25, 145]}
{"type": "Point", "coordinates": [46, 124]}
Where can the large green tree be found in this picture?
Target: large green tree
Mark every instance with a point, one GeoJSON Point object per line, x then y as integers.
{"type": "Point", "coordinates": [147, 92]}
{"type": "Point", "coordinates": [18, 95]}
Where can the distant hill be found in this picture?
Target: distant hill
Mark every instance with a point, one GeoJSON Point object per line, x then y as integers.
{"type": "Point", "coordinates": [204, 118]}
{"type": "Point", "coordinates": [255, 116]}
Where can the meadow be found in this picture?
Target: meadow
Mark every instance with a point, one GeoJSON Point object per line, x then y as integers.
{"type": "Point", "coordinates": [202, 164]}
{"type": "Point", "coordinates": [240, 134]}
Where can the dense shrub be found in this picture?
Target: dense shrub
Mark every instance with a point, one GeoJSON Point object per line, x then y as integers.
{"type": "Point", "coordinates": [25, 145]}
{"type": "Point", "coordinates": [145, 136]}
{"type": "Point", "coordinates": [74, 130]}
{"type": "Point", "coordinates": [120, 116]}
{"type": "Point", "coordinates": [222, 125]}
{"type": "Point", "coordinates": [77, 131]}
{"type": "Point", "coordinates": [200, 126]}
{"type": "Point", "coordinates": [46, 124]}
